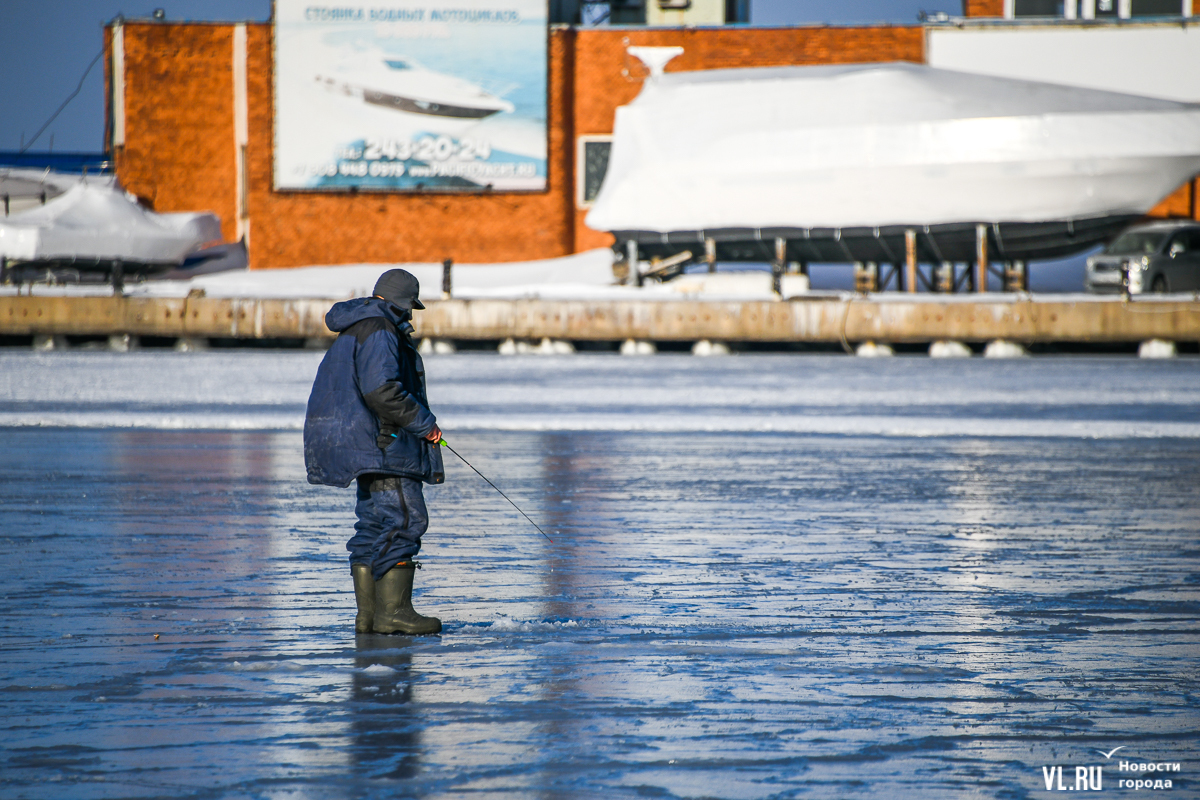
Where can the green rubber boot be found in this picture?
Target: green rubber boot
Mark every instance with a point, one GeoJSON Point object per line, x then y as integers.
{"type": "Point", "coordinates": [364, 596]}
{"type": "Point", "coordinates": [393, 604]}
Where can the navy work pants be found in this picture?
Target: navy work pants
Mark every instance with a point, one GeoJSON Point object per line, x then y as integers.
{"type": "Point", "coordinates": [391, 520]}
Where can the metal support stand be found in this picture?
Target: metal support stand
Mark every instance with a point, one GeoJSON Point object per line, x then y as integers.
{"type": "Point", "coordinates": [1016, 276]}
{"type": "Point", "coordinates": [710, 253]}
{"type": "Point", "coordinates": [866, 277]}
{"type": "Point", "coordinates": [910, 260]}
{"type": "Point", "coordinates": [118, 277]}
{"type": "Point", "coordinates": [447, 285]}
{"type": "Point", "coordinates": [981, 258]}
{"type": "Point", "coordinates": [778, 265]}
{"type": "Point", "coordinates": [631, 257]}
{"type": "Point", "coordinates": [944, 278]}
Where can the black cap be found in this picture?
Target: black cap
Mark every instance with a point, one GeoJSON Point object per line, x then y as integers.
{"type": "Point", "coordinates": [399, 288]}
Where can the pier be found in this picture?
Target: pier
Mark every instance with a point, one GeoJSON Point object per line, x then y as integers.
{"type": "Point", "coordinates": [845, 318]}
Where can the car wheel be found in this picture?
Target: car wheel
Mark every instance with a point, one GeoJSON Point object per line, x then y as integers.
{"type": "Point", "coordinates": [1159, 285]}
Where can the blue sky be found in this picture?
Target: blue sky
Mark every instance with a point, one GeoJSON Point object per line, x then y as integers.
{"type": "Point", "coordinates": [45, 46]}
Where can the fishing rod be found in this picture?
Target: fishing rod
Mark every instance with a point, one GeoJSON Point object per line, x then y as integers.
{"type": "Point", "coordinates": [446, 445]}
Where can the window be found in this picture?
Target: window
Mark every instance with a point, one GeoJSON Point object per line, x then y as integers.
{"type": "Point", "coordinates": [1038, 8]}
{"type": "Point", "coordinates": [1156, 8]}
{"type": "Point", "coordinates": [591, 167]}
{"type": "Point", "coordinates": [1098, 9]}
{"type": "Point", "coordinates": [1136, 243]}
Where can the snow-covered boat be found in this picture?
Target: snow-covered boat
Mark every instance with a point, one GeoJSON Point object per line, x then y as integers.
{"type": "Point", "coordinates": [23, 188]}
{"type": "Point", "coordinates": [95, 227]}
{"type": "Point", "coordinates": [403, 85]}
{"type": "Point", "coordinates": [841, 161]}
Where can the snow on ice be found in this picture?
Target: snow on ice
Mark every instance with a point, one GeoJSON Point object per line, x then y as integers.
{"type": "Point", "coordinates": [773, 576]}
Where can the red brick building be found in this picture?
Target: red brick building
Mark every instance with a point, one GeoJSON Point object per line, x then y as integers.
{"type": "Point", "coordinates": [192, 129]}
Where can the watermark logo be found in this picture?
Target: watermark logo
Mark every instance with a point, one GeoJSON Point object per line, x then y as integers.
{"type": "Point", "coordinates": [1087, 779]}
{"type": "Point", "coordinates": [1137, 775]}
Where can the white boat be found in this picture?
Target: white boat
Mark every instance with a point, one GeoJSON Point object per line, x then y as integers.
{"type": "Point", "coordinates": [95, 227]}
{"type": "Point", "coordinates": [840, 161]}
{"type": "Point", "coordinates": [402, 85]}
{"type": "Point", "coordinates": [23, 188]}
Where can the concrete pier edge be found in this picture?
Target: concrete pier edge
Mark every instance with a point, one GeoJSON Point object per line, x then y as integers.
{"type": "Point", "coordinates": [885, 319]}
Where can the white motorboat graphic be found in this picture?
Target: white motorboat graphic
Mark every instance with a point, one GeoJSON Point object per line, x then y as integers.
{"type": "Point", "coordinates": [402, 85]}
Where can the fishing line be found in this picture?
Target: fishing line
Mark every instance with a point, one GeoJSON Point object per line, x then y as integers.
{"type": "Point", "coordinates": [446, 445]}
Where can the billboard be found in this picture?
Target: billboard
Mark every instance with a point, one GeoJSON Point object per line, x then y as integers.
{"type": "Point", "coordinates": [427, 95]}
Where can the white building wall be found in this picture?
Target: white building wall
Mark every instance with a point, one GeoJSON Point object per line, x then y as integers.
{"type": "Point", "coordinates": [698, 12]}
{"type": "Point", "coordinates": [1154, 60]}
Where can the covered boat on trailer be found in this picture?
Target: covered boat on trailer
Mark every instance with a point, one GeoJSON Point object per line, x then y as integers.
{"type": "Point", "coordinates": [857, 163]}
{"type": "Point", "coordinates": [94, 232]}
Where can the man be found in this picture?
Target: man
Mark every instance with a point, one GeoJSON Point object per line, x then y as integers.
{"type": "Point", "coordinates": [369, 421]}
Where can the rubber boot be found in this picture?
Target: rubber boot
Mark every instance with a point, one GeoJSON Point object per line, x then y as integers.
{"type": "Point", "coordinates": [364, 596]}
{"type": "Point", "coordinates": [393, 604]}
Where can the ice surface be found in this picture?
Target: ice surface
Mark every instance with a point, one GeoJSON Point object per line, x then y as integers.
{"type": "Point", "coordinates": [255, 390]}
{"type": "Point", "coordinates": [724, 614]}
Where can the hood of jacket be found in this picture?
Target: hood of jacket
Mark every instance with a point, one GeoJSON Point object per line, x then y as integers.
{"type": "Point", "coordinates": [348, 312]}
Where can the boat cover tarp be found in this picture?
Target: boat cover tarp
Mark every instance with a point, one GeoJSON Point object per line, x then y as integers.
{"type": "Point", "coordinates": [97, 221]}
{"type": "Point", "coordinates": [884, 144]}
{"type": "Point", "coordinates": [23, 182]}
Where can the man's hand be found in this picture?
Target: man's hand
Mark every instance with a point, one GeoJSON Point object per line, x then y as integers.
{"type": "Point", "coordinates": [434, 435]}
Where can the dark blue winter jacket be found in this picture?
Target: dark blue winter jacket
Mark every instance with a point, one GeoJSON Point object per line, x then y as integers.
{"type": "Point", "coordinates": [371, 384]}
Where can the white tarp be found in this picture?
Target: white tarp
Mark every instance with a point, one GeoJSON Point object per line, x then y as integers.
{"type": "Point", "coordinates": [1156, 60]}
{"type": "Point", "coordinates": [25, 182]}
{"type": "Point", "coordinates": [22, 188]}
{"type": "Point", "coordinates": [96, 220]}
{"type": "Point", "coordinates": [885, 144]}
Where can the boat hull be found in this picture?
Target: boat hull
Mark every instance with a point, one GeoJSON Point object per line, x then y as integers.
{"type": "Point", "coordinates": [956, 242]}
{"type": "Point", "coordinates": [891, 147]}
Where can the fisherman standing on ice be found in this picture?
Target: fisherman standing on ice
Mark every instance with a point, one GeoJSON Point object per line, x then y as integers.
{"type": "Point", "coordinates": [369, 421]}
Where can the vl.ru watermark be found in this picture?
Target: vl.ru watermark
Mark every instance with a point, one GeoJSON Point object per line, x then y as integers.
{"type": "Point", "coordinates": [1136, 775]}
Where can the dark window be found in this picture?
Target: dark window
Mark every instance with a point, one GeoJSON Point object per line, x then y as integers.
{"type": "Point", "coordinates": [1136, 243]}
{"type": "Point", "coordinates": [595, 166]}
{"type": "Point", "coordinates": [628, 12]}
{"type": "Point", "coordinates": [737, 10]}
{"type": "Point", "coordinates": [1039, 8]}
{"type": "Point", "coordinates": [564, 11]}
{"type": "Point", "coordinates": [1157, 8]}
{"type": "Point", "coordinates": [1194, 241]}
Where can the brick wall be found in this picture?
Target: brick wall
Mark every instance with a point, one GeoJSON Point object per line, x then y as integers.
{"type": "Point", "coordinates": [179, 147]}
{"type": "Point", "coordinates": [298, 228]}
{"type": "Point", "coordinates": [983, 8]}
{"type": "Point", "coordinates": [180, 151]}
{"type": "Point", "coordinates": [1180, 203]}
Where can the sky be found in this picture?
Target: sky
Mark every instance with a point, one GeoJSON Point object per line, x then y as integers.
{"type": "Point", "coordinates": [46, 46]}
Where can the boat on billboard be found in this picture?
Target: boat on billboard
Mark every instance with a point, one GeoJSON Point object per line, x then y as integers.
{"type": "Point", "coordinates": [437, 95]}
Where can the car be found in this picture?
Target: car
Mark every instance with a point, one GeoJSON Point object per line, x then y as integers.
{"type": "Point", "coordinates": [1158, 257]}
